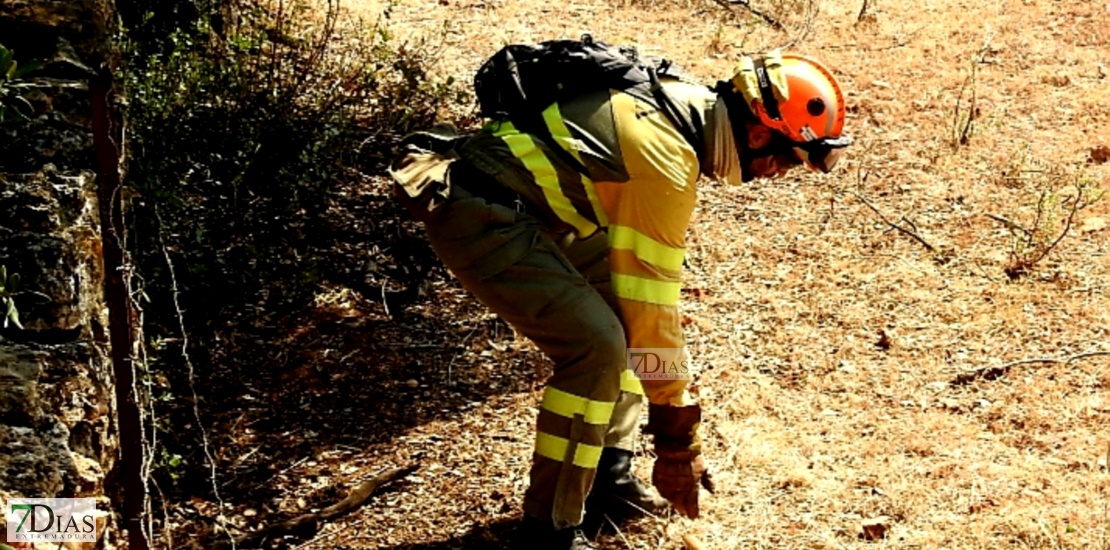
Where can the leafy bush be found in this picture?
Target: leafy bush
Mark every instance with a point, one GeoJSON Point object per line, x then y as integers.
{"type": "Point", "coordinates": [1048, 219]}
{"type": "Point", "coordinates": [239, 137]}
{"type": "Point", "coordinates": [13, 106]}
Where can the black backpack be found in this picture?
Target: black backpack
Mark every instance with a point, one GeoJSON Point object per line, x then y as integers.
{"type": "Point", "coordinates": [521, 80]}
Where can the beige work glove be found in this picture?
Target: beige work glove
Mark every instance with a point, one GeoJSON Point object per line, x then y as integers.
{"type": "Point", "coordinates": [679, 470]}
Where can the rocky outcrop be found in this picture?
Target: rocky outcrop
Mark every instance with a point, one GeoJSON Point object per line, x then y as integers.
{"type": "Point", "coordinates": [57, 402]}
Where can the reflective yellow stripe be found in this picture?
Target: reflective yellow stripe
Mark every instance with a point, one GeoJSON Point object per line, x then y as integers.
{"type": "Point", "coordinates": [550, 446]}
{"type": "Point", "coordinates": [526, 150]}
{"type": "Point", "coordinates": [500, 128]}
{"type": "Point", "coordinates": [630, 383]}
{"type": "Point", "coordinates": [554, 120]}
{"type": "Point", "coordinates": [568, 405]}
{"type": "Point", "coordinates": [622, 237]}
{"type": "Point", "coordinates": [555, 448]}
{"type": "Point", "coordinates": [631, 287]}
{"type": "Point", "coordinates": [587, 456]}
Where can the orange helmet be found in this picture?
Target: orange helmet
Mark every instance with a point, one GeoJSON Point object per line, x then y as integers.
{"type": "Point", "coordinates": [800, 99]}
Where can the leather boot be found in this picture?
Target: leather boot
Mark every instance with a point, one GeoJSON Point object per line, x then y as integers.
{"type": "Point", "coordinates": [617, 493]}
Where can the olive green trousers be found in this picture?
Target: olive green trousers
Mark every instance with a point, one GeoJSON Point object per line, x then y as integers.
{"type": "Point", "coordinates": [558, 295]}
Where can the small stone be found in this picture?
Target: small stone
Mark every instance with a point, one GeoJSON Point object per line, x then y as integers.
{"type": "Point", "coordinates": [412, 383]}
{"type": "Point", "coordinates": [884, 342]}
{"type": "Point", "coordinates": [1100, 154]}
{"type": "Point", "coordinates": [875, 528]}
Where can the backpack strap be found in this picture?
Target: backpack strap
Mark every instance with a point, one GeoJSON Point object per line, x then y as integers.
{"type": "Point", "coordinates": [687, 124]}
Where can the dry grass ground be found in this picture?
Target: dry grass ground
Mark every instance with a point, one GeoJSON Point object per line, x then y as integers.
{"type": "Point", "coordinates": [832, 344]}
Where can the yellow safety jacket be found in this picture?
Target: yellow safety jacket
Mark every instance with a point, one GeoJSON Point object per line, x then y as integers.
{"type": "Point", "coordinates": [640, 185]}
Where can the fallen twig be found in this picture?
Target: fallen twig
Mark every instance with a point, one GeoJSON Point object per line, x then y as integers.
{"type": "Point", "coordinates": [898, 43]}
{"type": "Point", "coordinates": [310, 523]}
{"type": "Point", "coordinates": [862, 12]}
{"type": "Point", "coordinates": [993, 373]}
{"type": "Point", "coordinates": [900, 228]}
{"type": "Point", "coordinates": [1011, 225]}
{"type": "Point", "coordinates": [728, 4]}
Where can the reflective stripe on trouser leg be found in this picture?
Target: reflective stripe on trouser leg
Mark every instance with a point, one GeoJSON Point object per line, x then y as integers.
{"type": "Point", "coordinates": [571, 428]}
{"type": "Point", "coordinates": [591, 257]}
{"type": "Point", "coordinates": [508, 263]}
{"type": "Point", "coordinates": [564, 465]}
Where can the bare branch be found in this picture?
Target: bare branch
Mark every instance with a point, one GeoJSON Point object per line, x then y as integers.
{"type": "Point", "coordinates": [1076, 206]}
{"type": "Point", "coordinates": [993, 373]}
{"type": "Point", "coordinates": [900, 228]}
{"type": "Point", "coordinates": [862, 12]}
{"type": "Point", "coordinates": [1010, 224]}
{"type": "Point", "coordinates": [898, 43]}
{"type": "Point", "coordinates": [728, 5]}
{"type": "Point", "coordinates": [1035, 244]}
{"type": "Point", "coordinates": [310, 523]}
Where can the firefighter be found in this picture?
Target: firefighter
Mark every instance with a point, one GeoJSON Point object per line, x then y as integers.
{"type": "Point", "coordinates": [584, 259]}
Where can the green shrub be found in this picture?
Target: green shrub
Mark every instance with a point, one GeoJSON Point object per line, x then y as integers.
{"type": "Point", "coordinates": [13, 106]}
{"type": "Point", "coordinates": [238, 138]}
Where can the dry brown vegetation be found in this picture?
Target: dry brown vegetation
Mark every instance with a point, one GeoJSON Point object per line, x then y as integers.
{"type": "Point", "coordinates": [866, 355]}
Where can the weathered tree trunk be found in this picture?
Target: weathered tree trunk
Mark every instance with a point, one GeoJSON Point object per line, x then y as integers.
{"type": "Point", "coordinates": [58, 398]}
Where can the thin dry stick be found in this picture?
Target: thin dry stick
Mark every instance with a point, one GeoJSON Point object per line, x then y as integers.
{"type": "Point", "coordinates": [166, 531]}
{"type": "Point", "coordinates": [461, 349]}
{"type": "Point", "coordinates": [310, 523]}
{"type": "Point", "coordinates": [317, 541]}
{"type": "Point", "coordinates": [962, 129]}
{"type": "Point", "coordinates": [993, 373]}
{"type": "Point", "coordinates": [728, 4]}
{"type": "Point", "coordinates": [619, 533]}
{"type": "Point", "coordinates": [962, 135]}
{"type": "Point", "coordinates": [804, 29]}
{"type": "Point", "coordinates": [1076, 206]}
{"type": "Point", "coordinates": [148, 425]}
{"type": "Point", "coordinates": [862, 12]}
{"type": "Point", "coordinates": [1012, 225]}
{"type": "Point", "coordinates": [692, 542]}
{"type": "Point", "coordinates": [901, 229]}
{"type": "Point", "coordinates": [898, 43]}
